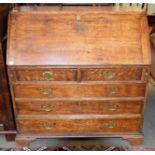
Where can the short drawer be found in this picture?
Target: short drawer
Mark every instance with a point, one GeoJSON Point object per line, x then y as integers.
{"type": "Point", "coordinates": [46, 74]}
{"type": "Point", "coordinates": [77, 125]}
{"type": "Point", "coordinates": [79, 107]}
{"type": "Point", "coordinates": [51, 90]}
{"type": "Point", "coordinates": [113, 74]}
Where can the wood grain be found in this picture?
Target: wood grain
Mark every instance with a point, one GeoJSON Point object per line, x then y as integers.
{"type": "Point", "coordinates": [38, 75]}
{"type": "Point", "coordinates": [79, 107]}
{"type": "Point", "coordinates": [87, 74]}
{"type": "Point", "coordinates": [77, 38]}
{"type": "Point", "coordinates": [78, 125]}
{"type": "Point", "coordinates": [79, 90]}
{"type": "Point", "coordinates": [120, 74]}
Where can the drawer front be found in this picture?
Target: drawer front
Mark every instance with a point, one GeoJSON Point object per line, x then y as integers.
{"type": "Point", "coordinates": [77, 125]}
{"type": "Point", "coordinates": [107, 74]}
{"type": "Point", "coordinates": [79, 90]}
{"type": "Point", "coordinates": [78, 107]}
{"type": "Point", "coordinates": [46, 75]}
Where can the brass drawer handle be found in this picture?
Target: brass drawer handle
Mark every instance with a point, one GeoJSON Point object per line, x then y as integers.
{"type": "Point", "coordinates": [48, 125]}
{"type": "Point", "coordinates": [46, 91]}
{"type": "Point", "coordinates": [112, 90]}
{"type": "Point", "coordinates": [112, 107]}
{"type": "Point", "coordinates": [48, 75]}
{"type": "Point", "coordinates": [109, 75]}
{"type": "Point", "coordinates": [110, 125]}
{"type": "Point", "coordinates": [47, 108]}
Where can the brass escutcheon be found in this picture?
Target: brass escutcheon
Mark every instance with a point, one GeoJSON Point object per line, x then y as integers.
{"type": "Point", "coordinates": [46, 91]}
{"type": "Point", "coordinates": [112, 107]}
{"type": "Point", "coordinates": [47, 108]}
{"type": "Point", "coordinates": [112, 90]}
{"type": "Point", "coordinates": [109, 75]}
{"type": "Point", "coordinates": [48, 125]}
{"type": "Point", "coordinates": [48, 75]}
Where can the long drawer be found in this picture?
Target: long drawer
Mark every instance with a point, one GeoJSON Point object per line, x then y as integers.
{"type": "Point", "coordinates": [83, 74]}
{"type": "Point", "coordinates": [77, 125]}
{"type": "Point", "coordinates": [79, 107]}
{"type": "Point", "coordinates": [50, 90]}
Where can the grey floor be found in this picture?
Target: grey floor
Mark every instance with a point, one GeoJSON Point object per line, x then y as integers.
{"type": "Point", "coordinates": [149, 133]}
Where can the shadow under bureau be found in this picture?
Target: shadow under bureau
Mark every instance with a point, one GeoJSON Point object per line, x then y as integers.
{"type": "Point", "coordinates": [78, 72]}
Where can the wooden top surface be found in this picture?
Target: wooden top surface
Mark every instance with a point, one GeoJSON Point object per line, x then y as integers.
{"type": "Point", "coordinates": [77, 36]}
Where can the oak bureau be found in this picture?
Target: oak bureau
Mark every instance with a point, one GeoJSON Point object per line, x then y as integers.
{"type": "Point", "coordinates": [78, 71]}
